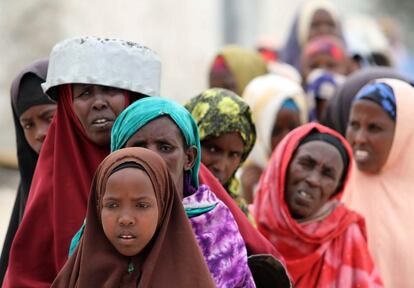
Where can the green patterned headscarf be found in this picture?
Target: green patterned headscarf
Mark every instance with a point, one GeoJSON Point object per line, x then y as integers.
{"type": "Point", "coordinates": [145, 110]}
{"type": "Point", "coordinates": [218, 111]}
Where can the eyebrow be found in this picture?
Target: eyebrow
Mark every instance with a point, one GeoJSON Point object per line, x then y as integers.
{"type": "Point", "coordinates": [112, 198]}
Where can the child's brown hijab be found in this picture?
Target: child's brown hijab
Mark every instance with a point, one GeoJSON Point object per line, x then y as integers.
{"type": "Point", "coordinates": [173, 258]}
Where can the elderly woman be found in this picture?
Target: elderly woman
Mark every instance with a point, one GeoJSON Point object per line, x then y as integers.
{"type": "Point", "coordinates": [381, 132]}
{"type": "Point", "coordinates": [91, 80]}
{"type": "Point", "coordinates": [298, 209]}
{"type": "Point", "coordinates": [168, 129]}
{"type": "Point", "coordinates": [227, 135]}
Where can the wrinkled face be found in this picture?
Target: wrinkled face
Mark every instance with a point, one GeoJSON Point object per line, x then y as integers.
{"type": "Point", "coordinates": [370, 132]}
{"type": "Point", "coordinates": [322, 24]}
{"type": "Point", "coordinates": [129, 211]}
{"type": "Point", "coordinates": [97, 108]}
{"type": "Point", "coordinates": [286, 120]}
{"type": "Point", "coordinates": [164, 137]}
{"type": "Point", "coordinates": [35, 122]}
{"type": "Point", "coordinates": [222, 154]}
{"type": "Point", "coordinates": [313, 176]}
{"type": "Point", "coordinates": [223, 78]}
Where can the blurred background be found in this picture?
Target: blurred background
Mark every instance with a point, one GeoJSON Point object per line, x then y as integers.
{"type": "Point", "coordinates": [187, 34]}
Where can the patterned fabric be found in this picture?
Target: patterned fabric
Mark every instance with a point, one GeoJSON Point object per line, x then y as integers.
{"type": "Point", "coordinates": [328, 251]}
{"type": "Point", "coordinates": [382, 94]}
{"type": "Point", "coordinates": [220, 240]}
{"type": "Point", "coordinates": [218, 111]}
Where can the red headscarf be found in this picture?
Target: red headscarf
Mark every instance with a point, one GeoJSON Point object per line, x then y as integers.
{"type": "Point", "coordinates": [57, 202]}
{"type": "Point", "coordinates": [331, 252]}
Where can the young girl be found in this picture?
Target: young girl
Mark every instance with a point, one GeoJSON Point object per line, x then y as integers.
{"type": "Point", "coordinates": [137, 233]}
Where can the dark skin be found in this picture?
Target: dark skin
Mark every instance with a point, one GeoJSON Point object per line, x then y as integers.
{"type": "Point", "coordinates": [313, 176]}
{"type": "Point", "coordinates": [223, 78]}
{"type": "Point", "coordinates": [370, 133]}
{"type": "Point", "coordinates": [322, 24]}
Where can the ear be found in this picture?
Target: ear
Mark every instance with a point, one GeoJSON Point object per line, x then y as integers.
{"type": "Point", "coordinates": [191, 156]}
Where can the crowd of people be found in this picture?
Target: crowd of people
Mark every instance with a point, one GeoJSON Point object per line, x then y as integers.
{"type": "Point", "coordinates": [291, 170]}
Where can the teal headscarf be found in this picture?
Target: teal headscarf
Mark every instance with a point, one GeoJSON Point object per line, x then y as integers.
{"type": "Point", "coordinates": [139, 113]}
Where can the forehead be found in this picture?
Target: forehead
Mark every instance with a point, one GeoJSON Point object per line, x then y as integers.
{"type": "Point", "coordinates": [37, 110]}
{"type": "Point", "coordinates": [162, 127]}
{"type": "Point", "coordinates": [228, 139]}
{"type": "Point", "coordinates": [134, 178]}
{"type": "Point", "coordinates": [320, 152]}
{"type": "Point", "coordinates": [370, 111]}
{"type": "Point", "coordinates": [322, 15]}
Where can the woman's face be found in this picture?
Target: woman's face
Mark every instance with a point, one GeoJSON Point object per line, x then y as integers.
{"type": "Point", "coordinates": [97, 107]}
{"type": "Point", "coordinates": [286, 120]}
{"type": "Point", "coordinates": [35, 122]}
{"type": "Point", "coordinates": [322, 24]}
{"type": "Point", "coordinates": [222, 78]}
{"type": "Point", "coordinates": [222, 154]}
{"type": "Point", "coordinates": [129, 211]}
{"type": "Point", "coordinates": [164, 137]}
{"type": "Point", "coordinates": [370, 132]}
{"type": "Point", "coordinates": [313, 176]}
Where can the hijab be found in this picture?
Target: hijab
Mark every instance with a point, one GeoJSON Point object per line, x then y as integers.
{"type": "Point", "coordinates": [218, 111]}
{"type": "Point", "coordinates": [23, 98]}
{"type": "Point", "coordinates": [172, 258]}
{"type": "Point", "coordinates": [266, 96]}
{"type": "Point", "coordinates": [340, 106]}
{"type": "Point", "coordinates": [329, 251]}
{"type": "Point", "coordinates": [385, 199]}
{"type": "Point", "coordinates": [243, 64]}
{"type": "Point", "coordinates": [299, 33]}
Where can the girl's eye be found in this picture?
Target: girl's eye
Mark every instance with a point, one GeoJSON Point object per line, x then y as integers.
{"type": "Point", "coordinates": [111, 205]}
{"type": "Point", "coordinates": [27, 126]}
{"type": "Point", "coordinates": [143, 205]}
{"type": "Point", "coordinates": [236, 155]}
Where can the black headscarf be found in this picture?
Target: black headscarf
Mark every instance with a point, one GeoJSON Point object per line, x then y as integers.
{"type": "Point", "coordinates": [25, 92]}
{"type": "Point", "coordinates": [338, 111]}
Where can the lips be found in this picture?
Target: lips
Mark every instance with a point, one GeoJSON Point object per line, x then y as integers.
{"type": "Point", "coordinates": [102, 122]}
{"type": "Point", "coordinates": [127, 236]}
{"type": "Point", "coordinates": [361, 155]}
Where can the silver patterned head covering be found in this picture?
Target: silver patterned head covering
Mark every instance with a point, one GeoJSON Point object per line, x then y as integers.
{"type": "Point", "coordinates": [103, 61]}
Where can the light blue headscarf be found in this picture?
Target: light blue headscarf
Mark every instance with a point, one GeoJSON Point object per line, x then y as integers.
{"type": "Point", "coordinates": [139, 113]}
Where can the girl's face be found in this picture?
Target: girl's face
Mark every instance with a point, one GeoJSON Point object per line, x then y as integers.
{"type": "Point", "coordinates": [286, 120]}
{"type": "Point", "coordinates": [35, 122]}
{"type": "Point", "coordinates": [313, 176]}
{"type": "Point", "coordinates": [370, 132]}
{"type": "Point", "coordinates": [97, 107]}
{"type": "Point", "coordinates": [222, 154]}
{"type": "Point", "coordinates": [129, 212]}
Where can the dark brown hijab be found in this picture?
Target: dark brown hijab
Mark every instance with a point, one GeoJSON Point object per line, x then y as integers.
{"type": "Point", "coordinates": [22, 98]}
{"type": "Point", "coordinates": [171, 259]}
{"type": "Point", "coordinates": [338, 111]}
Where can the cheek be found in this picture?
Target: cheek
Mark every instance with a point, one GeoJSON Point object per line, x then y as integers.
{"type": "Point", "coordinates": [108, 223]}
{"type": "Point", "coordinates": [117, 103]}
{"type": "Point", "coordinates": [81, 110]}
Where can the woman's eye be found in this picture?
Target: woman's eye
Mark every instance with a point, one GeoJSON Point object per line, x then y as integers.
{"type": "Point", "coordinates": [374, 128]}
{"type": "Point", "coordinates": [236, 155]}
{"type": "Point", "coordinates": [27, 126]}
{"type": "Point", "coordinates": [353, 125]}
{"type": "Point", "coordinates": [84, 93]}
{"type": "Point", "coordinates": [166, 148]}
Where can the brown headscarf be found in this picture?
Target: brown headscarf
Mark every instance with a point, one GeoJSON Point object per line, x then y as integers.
{"type": "Point", "coordinates": [171, 259]}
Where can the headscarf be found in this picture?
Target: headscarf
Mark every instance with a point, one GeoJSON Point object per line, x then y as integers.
{"type": "Point", "coordinates": [244, 65]}
{"type": "Point", "coordinates": [129, 122]}
{"type": "Point", "coordinates": [326, 252]}
{"type": "Point", "coordinates": [172, 258]}
{"type": "Point", "coordinates": [340, 106]}
{"type": "Point", "coordinates": [218, 111]}
{"type": "Point", "coordinates": [326, 44]}
{"type": "Point", "coordinates": [26, 156]}
{"type": "Point", "coordinates": [59, 192]}
{"type": "Point", "coordinates": [299, 33]}
{"type": "Point", "coordinates": [266, 95]}
{"type": "Point", "coordinates": [385, 199]}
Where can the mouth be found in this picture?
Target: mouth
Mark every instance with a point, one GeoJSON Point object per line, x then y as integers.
{"type": "Point", "coordinates": [361, 155]}
{"type": "Point", "coordinates": [102, 123]}
{"type": "Point", "coordinates": [126, 237]}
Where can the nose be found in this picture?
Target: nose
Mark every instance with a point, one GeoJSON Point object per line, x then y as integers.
{"type": "Point", "coordinates": [99, 101]}
{"type": "Point", "coordinates": [313, 178]}
{"type": "Point", "coordinates": [360, 136]}
{"type": "Point", "coordinates": [41, 133]}
{"type": "Point", "coordinates": [126, 219]}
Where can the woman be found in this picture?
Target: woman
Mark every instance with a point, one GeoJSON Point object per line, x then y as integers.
{"type": "Point", "coordinates": [340, 106]}
{"type": "Point", "coordinates": [298, 209]}
{"type": "Point", "coordinates": [234, 67]}
{"type": "Point", "coordinates": [159, 250]}
{"type": "Point", "coordinates": [91, 80]}
{"type": "Point", "coordinates": [278, 105]}
{"type": "Point", "coordinates": [32, 114]}
{"type": "Point", "coordinates": [227, 135]}
{"type": "Point", "coordinates": [314, 18]}
{"type": "Point", "coordinates": [168, 129]}
{"type": "Point", "coordinates": [381, 135]}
